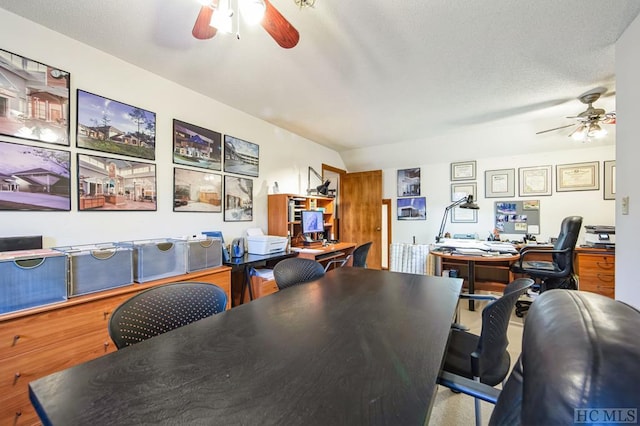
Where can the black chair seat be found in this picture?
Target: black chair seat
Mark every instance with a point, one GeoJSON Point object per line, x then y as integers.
{"type": "Point", "coordinates": [296, 270]}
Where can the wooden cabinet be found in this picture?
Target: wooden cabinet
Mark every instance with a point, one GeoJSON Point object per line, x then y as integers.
{"type": "Point", "coordinates": [596, 270]}
{"type": "Point", "coordinates": [40, 341]}
{"type": "Point", "coordinates": [284, 214]}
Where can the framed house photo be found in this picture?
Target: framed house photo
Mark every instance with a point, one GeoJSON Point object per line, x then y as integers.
{"type": "Point", "coordinates": [578, 177]}
{"type": "Point", "coordinates": [414, 208]}
{"type": "Point", "coordinates": [465, 170]}
{"type": "Point", "coordinates": [34, 100]}
{"type": "Point", "coordinates": [499, 183]}
{"type": "Point", "coordinates": [241, 157]}
{"type": "Point", "coordinates": [196, 146]}
{"type": "Point", "coordinates": [610, 180]}
{"type": "Point", "coordinates": [196, 191]}
{"type": "Point", "coordinates": [534, 181]}
{"type": "Point", "coordinates": [238, 199]}
{"type": "Point", "coordinates": [34, 178]}
{"type": "Point", "coordinates": [111, 184]}
{"type": "Point", "coordinates": [114, 127]}
{"type": "Point", "coordinates": [409, 182]}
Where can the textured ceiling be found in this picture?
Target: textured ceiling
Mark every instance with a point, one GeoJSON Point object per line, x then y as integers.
{"type": "Point", "coordinates": [372, 73]}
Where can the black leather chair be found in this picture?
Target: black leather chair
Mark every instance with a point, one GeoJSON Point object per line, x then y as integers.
{"type": "Point", "coordinates": [557, 273]}
{"type": "Point", "coordinates": [164, 308]}
{"type": "Point", "coordinates": [579, 361]}
{"type": "Point", "coordinates": [359, 256]}
{"type": "Point", "coordinates": [296, 270]}
{"type": "Point", "coordinates": [484, 358]}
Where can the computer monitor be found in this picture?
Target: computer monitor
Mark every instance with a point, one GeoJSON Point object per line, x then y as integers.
{"type": "Point", "coordinates": [312, 221]}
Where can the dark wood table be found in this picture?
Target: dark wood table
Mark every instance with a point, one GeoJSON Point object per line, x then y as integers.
{"type": "Point", "coordinates": [358, 346]}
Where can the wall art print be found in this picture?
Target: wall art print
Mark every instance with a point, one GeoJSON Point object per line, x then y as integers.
{"type": "Point", "coordinates": [114, 127]}
{"type": "Point", "coordinates": [34, 178]}
{"type": "Point", "coordinates": [238, 199]}
{"type": "Point", "coordinates": [241, 157]}
{"type": "Point", "coordinates": [409, 182]}
{"type": "Point", "coordinates": [196, 146]}
{"type": "Point", "coordinates": [34, 100]}
{"type": "Point", "coordinates": [414, 208]}
{"type": "Point", "coordinates": [113, 184]}
{"type": "Point", "coordinates": [196, 191]}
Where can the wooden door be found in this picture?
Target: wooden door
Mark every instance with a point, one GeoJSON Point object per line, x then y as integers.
{"type": "Point", "coordinates": [360, 212]}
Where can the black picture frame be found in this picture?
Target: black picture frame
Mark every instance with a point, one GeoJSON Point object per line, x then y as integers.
{"type": "Point", "coordinates": [238, 199]}
{"type": "Point", "coordinates": [412, 208]}
{"type": "Point", "coordinates": [409, 182]}
{"type": "Point", "coordinates": [36, 100]}
{"type": "Point", "coordinates": [113, 184]}
{"type": "Point", "coordinates": [196, 191]}
{"type": "Point", "coordinates": [34, 178]}
{"type": "Point", "coordinates": [114, 127]}
{"type": "Point", "coordinates": [196, 146]}
{"type": "Point", "coordinates": [241, 157]}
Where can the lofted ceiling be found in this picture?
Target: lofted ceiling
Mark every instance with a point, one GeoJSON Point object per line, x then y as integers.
{"type": "Point", "coordinates": [376, 76]}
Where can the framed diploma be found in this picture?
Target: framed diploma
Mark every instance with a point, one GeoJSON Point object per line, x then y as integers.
{"type": "Point", "coordinates": [499, 183]}
{"type": "Point", "coordinates": [578, 177]}
{"type": "Point", "coordinates": [535, 181]}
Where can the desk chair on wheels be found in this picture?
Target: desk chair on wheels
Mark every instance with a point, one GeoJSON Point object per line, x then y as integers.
{"type": "Point", "coordinates": [296, 270]}
{"type": "Point", "coordinates": [557, 273]}
{"type": "Point", "coordinates": [164, 308]}
{"type": "Point", "coordinates": [484, 358]}
{"type": "Point", "coordinates": [359, 256]}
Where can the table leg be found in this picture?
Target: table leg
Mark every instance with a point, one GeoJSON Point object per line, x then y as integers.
{"type": "Point", "coordinates": [247, 284]}
{"type": "Point", "coordinates": [472, 282]}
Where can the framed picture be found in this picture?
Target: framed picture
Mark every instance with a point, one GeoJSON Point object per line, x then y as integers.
{"type": "Point", "coordinates": [461, 190]}
{"type": "Point", "coordinates": [499, 183]}
{"type": "Point", "coordinates": [535, 181]}
{"type": "Point", "coordinates": [610, 180]}
{"type": "Point", "coordinates": [463, 171]}
{"type": "Point", "coordinates": [34, 100]}
{"type": "Point", "coordinates": [459, 215]}
{"type": "Point", "coordinates": [409, 182]}
{"type": "Point", "coordinates": [196, 146]}
{"type": "Point", "coordinates": [238, 199]}
{"type": "Point", "coordinates": [578, 177]}
{"type": "Point", "coordinates": [196, 191]}
{"type": "Point", "coordinates": [114, 127]}
{"type": "Point", "coordinates": [412, 208]}
{"type": "Point", "coordinates": [240, 156]}
{"type": "Point", "coordinates": [106, 184]}
{"type": "Point", "coordinates": [33, 178]}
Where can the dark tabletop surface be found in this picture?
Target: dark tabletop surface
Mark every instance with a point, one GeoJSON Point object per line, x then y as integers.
{"type": "Point", "coordinates": [248, 259]}
{"type": "Point", "coordinates": [359, 346]}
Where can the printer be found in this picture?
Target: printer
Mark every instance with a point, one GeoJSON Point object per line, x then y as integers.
{"type": "Point", "coordinates": [600, 236]}
{"type": "Point", "coordinates": [258, 243]}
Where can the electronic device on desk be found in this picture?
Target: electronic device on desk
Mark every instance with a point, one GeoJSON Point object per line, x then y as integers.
{"type": "Point", "coordinates": [264, 244]}
{"type": "Point", "coordinates": [312, 224]}
{"type": "Point", "coordinates": [602, 236]}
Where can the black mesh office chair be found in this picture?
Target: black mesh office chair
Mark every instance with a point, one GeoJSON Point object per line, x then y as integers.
{"type": "Point", "coordinates": [557, 273]}
{"type": "Point", "coordinates": [296, 270]}
{"type": "Point", "coordinates": [164, 308]}
{"type": "Point", "coordinates": [484, 358]}
{"type": "Point", "coordinates": [359, 256]}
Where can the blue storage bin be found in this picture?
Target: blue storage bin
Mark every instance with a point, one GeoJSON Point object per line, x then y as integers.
{"type": "Point", "coordinates": [159, 258]}
{"type": "Point", "coordinates": [203, 253]}
{"type": "Point", "coordinates": [32, 278]}
{"type": "Point", "coordinates": [97, 267]}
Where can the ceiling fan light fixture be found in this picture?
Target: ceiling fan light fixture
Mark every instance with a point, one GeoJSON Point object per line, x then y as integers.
{"type": "Point", "coordinates": [579, 134]}
{"type": "Point", "coordinates": [596, 131]}
{"type": "Point", "coordinates": [221, 18]}
{"type": "Point", "coordinates": [252, 11]}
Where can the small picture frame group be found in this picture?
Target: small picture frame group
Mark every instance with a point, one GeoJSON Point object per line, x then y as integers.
{"type": "Point", "coordinates": [413, 208]}
{"type": "Point", "coordinates": [409, 182]}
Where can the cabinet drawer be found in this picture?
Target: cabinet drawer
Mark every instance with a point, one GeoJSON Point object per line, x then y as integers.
{"type": "Point", "coordinates": [262, 287]}
{"type": "Point", "coordinates": [605, 291]}
{"type": "Point", "coordinates": [588, 262]}
{"type": "Point", "coordinates": [56, 326]}
{"type": "Point", "coordinates": [16, 410]}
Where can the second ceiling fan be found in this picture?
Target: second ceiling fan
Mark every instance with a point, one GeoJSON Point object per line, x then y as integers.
{"type": "Point", "coordinates": [217, 13]}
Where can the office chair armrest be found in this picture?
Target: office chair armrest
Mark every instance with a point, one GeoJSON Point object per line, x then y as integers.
{"type": "Point", "coordinates": [341, 262]}
{"type": "Point", "coordinates": [469, 387]}
{"type": "Point", "coordinates": [475, 296]}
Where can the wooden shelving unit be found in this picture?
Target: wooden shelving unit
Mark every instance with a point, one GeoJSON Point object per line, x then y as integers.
{"type": "Point", "coordinates": [284, 213]}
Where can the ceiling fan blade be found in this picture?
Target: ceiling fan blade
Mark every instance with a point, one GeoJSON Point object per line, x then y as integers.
{"type": "Point", "coordinates": [279, 28]}
{"type": "Point", "coordinates": [557, 128]}
{"type": "Point", "coordinates": [201, 29]}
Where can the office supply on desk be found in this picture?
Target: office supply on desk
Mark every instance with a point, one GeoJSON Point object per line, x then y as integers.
{"type": "Point", "coordinates": [463, 203]}
{"type": "Point", "coordinates": [258, 243]}
{"type": "Point", "coordinates": [284, 358]}
{"type": "Point", "coordinates": [600, 236]}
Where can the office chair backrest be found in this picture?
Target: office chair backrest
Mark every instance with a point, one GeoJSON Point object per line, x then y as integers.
{"type": "Point", "coordinates": [493, 337]}
{"type": "Point", "coordinates": [164, 308]}
{"type": "Point", "coordinates": [569, 230]}
{"type": "Point", "coordinates": [296, 270]}
{"type": "Point", "coordinates": [360, 254]}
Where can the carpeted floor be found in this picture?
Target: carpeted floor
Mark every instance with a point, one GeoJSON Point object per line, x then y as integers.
{"type": "Point", "coordinates": [452, 409]}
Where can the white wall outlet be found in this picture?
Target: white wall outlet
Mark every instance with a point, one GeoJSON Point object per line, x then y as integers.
{"type": "Point", "coordinates": [624, 205]}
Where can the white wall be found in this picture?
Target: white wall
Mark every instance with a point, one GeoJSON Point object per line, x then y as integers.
{"type": "Point", "coordinates": [436, 186]}
{"type": "Point", "coordinates": [627, 153]}
{"type": "Point", "coordinates": [284, 157]}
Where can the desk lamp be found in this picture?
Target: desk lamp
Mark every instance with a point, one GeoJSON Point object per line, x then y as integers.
{"type": "Point", "coordinates": [322, 189]}
{"type": "Point", "coordinates": [464, 203]}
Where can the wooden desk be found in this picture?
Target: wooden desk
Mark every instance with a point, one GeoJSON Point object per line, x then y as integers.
{"type": "Point", "coordinates": [496, 263]}
{"type": "Point", "coordinates": [596, 270]}
{"type": "Point", "coordinates": [359, 346]}
{"type": "Point", "coordinates": [324, 254]}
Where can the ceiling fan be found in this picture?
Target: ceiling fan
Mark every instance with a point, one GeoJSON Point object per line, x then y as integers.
{"type": "Point", "coordinates": [589, 120]}
{"type": "Point", "coordinates": [272, 21]}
